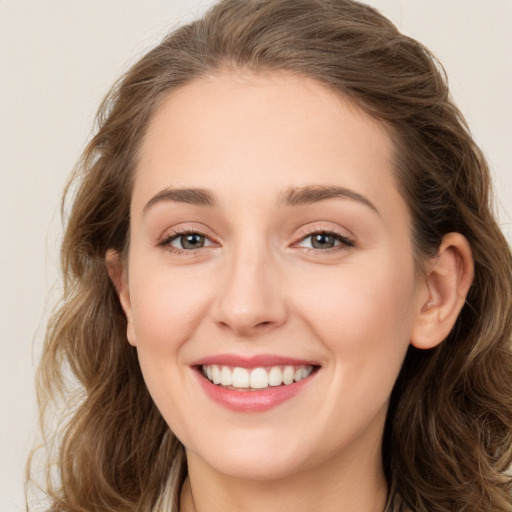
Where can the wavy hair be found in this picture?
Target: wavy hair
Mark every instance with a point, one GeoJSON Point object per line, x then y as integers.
{"type": "Point", "coordinates": [448, 437]}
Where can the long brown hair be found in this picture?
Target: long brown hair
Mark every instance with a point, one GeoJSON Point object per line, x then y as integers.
{"type": "Point", "coordinates": [448, 438]}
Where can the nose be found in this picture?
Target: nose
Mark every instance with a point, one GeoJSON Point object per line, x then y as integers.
{"type": "Point", "coordinates": [251, 298]}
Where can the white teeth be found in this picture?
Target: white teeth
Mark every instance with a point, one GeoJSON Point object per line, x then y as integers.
{"type": "Point", "coordinates": [288, 374]}
{"type": "Point", "coordinates": [215, 374]}
{"type": "Point", "coordinates": [257, 378]}
{"type": "Point", "coordinates": [226, 378]}
{"type": "Point", "coordinates": [275, 376]}
{"type": "Point", "coordinates": [240, 378]}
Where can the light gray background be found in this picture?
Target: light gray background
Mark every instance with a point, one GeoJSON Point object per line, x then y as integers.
{"type": "Point", "coordinates": [57, 60]}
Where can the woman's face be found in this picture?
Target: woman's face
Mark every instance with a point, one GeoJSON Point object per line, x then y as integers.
{"type": "Point", "coordinates": [270, 249]}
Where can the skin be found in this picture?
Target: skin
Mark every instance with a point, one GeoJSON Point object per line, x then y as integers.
{"type": "Point", "coordinates": [257, 286]}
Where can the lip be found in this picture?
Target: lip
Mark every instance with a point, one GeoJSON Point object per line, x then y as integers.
{"type": "Point", "coordinates": [255, 361]}
{"type": "Point", "coordinates": [251, 401]}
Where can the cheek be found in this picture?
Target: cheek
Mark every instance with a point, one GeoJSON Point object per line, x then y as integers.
{"type": "Point", "coordinates": [364, 313]}
{"type": "Point", "coordinates": [167, 308]}
{"type": "Point", "coordinates": [364, 320]}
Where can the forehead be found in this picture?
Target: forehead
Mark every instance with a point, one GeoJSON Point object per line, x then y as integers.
{"type": "Point", "coordinates": [274, 129]}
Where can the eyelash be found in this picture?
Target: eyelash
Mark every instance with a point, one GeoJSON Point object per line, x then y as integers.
{"type": "Point", "coordinates": [344, 241]}
{"type": "Point", "coordinates": [166, 242]}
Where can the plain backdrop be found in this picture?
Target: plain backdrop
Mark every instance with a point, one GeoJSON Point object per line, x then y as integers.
{"type": "Point", "coordinates": [58, 59]}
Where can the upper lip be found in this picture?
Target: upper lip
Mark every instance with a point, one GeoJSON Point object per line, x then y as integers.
{"type": "Point", "coordinates": [254, 361]}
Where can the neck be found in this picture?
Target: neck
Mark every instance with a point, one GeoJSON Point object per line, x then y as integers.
{"type": "Point", "coordinates": [357, 486]}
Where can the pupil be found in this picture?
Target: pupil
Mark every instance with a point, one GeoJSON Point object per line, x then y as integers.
{"type": "Point", "coordinates": [192, 241]}
{"type": "Point", "coordinates": [322, 241]}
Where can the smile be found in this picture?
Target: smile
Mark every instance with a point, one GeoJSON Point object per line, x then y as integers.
{"type": "Point", "coordinates": [246, 379]}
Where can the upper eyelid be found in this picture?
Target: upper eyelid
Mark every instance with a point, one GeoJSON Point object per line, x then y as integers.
{"type": "Point", "coordinates": [345, 241]}
{"type": "Point", "coordinates": [303, 232]}
{"type": "Point", "coordinates": [307, 230]}
{"type": "Point", "coordinates": [166, 240]}
{"type": "Point", "coordinates": [187, 228]}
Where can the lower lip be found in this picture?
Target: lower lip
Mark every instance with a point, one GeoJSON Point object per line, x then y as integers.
{"type": "Point", "coordinates": [252, 401]}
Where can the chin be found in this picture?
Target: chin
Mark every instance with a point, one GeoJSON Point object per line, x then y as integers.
{"type": "Point", "coordinates": [254, 458]}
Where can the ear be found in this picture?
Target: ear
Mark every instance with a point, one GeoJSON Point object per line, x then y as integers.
{"type": "Point", "coordinates": [449, 277]}
{"type": "Point", "coordinates": [118, 273]}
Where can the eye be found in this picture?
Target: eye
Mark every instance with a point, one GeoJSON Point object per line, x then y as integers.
{"type": "Point", "coordinates": [324, 240]}
{"type": "Point", "coordinates": [187, 241]}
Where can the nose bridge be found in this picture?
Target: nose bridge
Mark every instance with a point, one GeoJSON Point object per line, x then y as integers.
{"type": "Point", "coordinates": [250, 299]}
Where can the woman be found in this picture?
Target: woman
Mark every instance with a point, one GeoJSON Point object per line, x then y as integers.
{"type": "Point", "coordinates": [284, 284]}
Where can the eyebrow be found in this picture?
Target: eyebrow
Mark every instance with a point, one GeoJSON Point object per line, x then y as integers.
{"type": "Point", "coordinates": [196, 196]}
{"type": "Point", "coordinates": [298, 196]}
{"type": "Point", "coordinates": [294, 196]}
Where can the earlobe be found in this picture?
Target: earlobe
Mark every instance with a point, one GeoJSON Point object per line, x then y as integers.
{"type": "Point", "coordinates": [449, 277]}
{"type": "Point", "coordinates": [119, 277]}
